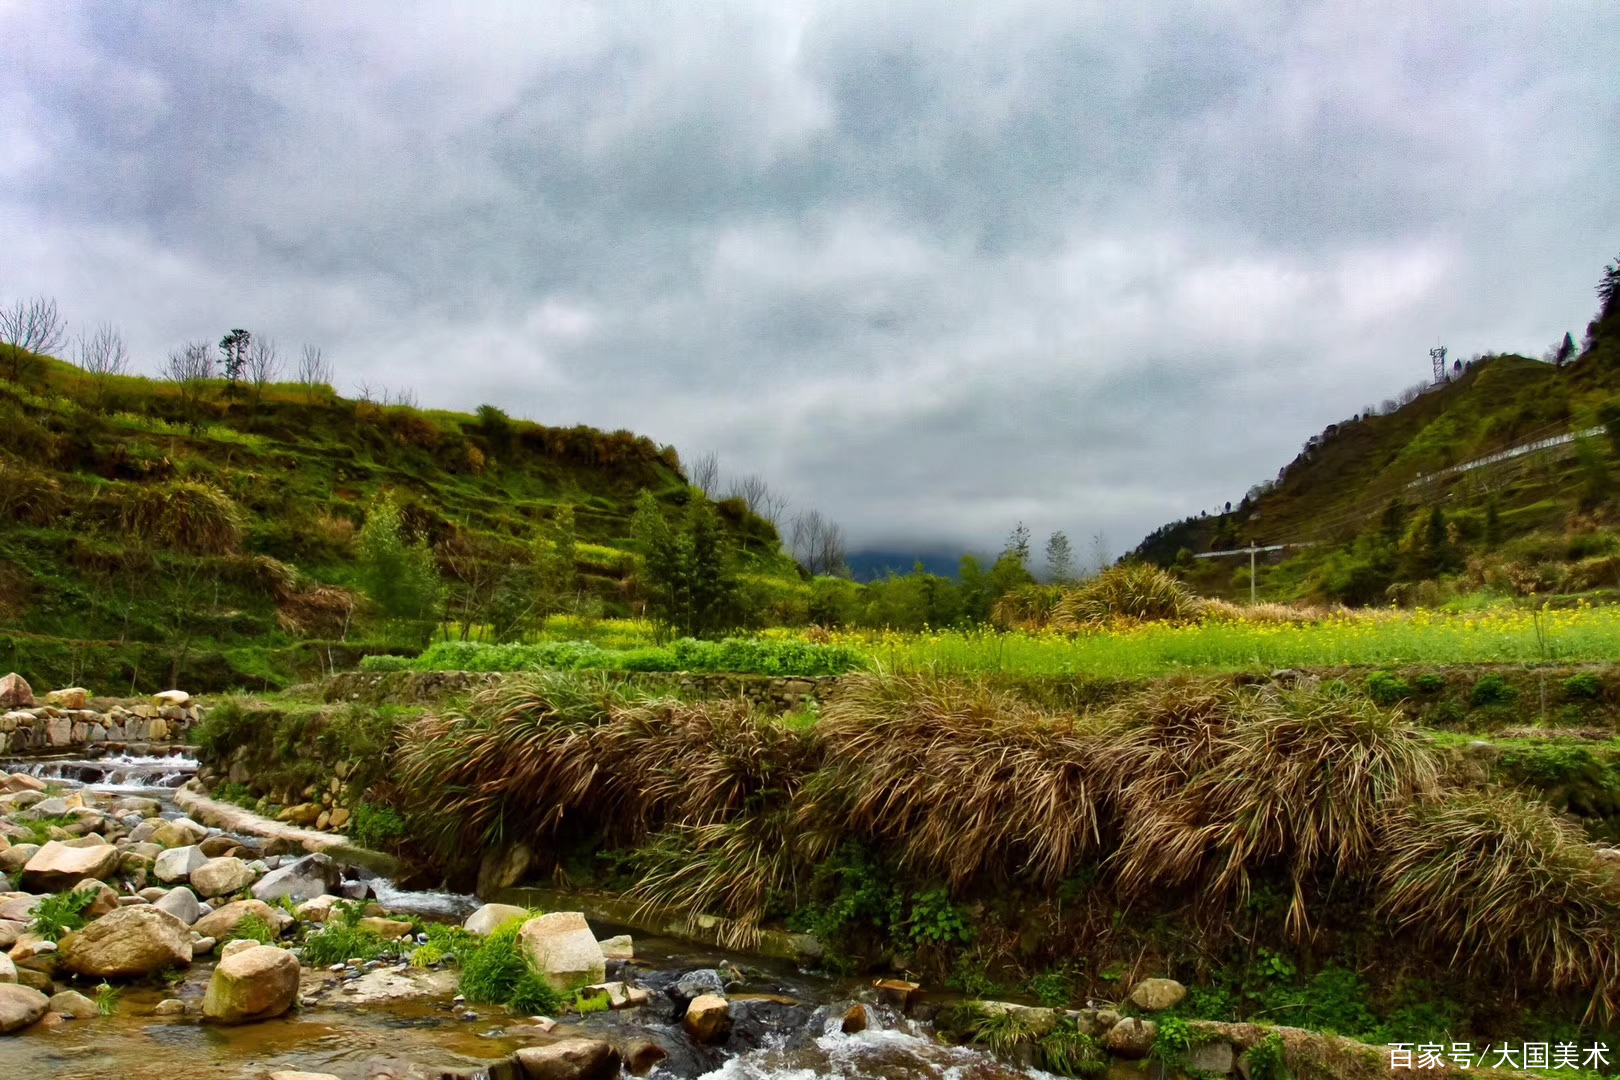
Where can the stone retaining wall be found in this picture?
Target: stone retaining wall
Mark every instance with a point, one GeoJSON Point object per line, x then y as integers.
{"type": "Point", "coordinates": [779, 693]}
{"type": "Point", "coordinates": [48, 729]}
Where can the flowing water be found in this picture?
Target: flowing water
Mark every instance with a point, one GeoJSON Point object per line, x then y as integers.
{"type": "Point", "coordinates": [424, 1037]}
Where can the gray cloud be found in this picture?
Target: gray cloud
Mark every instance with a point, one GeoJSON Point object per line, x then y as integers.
{"type": "Point", "coordinates": [931, 268]}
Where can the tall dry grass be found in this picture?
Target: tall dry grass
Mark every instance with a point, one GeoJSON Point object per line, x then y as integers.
{"type": "Point", "coordinates": [1192, 789]}
{"type": "Point", "coordinates": [186, 516]}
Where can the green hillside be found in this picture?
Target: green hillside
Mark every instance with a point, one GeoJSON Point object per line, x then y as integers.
{"type": "Point", "coordinates": [1383, 508]}
{"type": "Point", "coordinates": [153, 533]}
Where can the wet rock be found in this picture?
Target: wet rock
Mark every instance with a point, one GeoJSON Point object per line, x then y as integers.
{"type": "Point", "coordinates": [221, 877]}
{"type": "Point", "coordinates": [214, 847]}
{"type": "Point", "coordinates": [695, 984]}
{"type": "Point", "coordinates": [254, 984]}
{"type": "Point", "coordinates": [897, 992]}
{"type": "Point", "coordinates": [35, 979]}
{"type": "Point", "coordinates": [169, 1007]}
{"type": "Point", "coordinates": [1156, 995]}
{"type": "Point", "coordinates": [854, 1020]}
{"type": "Point", "coordinates": [201, 946]}
{"type": "Point", "coordinates": [219, 924]}
{"type": "Point", "coordinates": [563, 949]}
{"type": "Point", "coordinates": [622, 947]}
{"type": "Point", "coordinates": [180, 902]}
{"type": "Point", "coordinates": [570, 1059]}
{"type": "Point", "coordinates": [177, 833]}
{"type": "Point", "coordinates": [57, 866]}
{"type": "Point", "coordinates": [30, 945]}
{"type": "Point", "coordinates": [642, 1055]}
{"type": "Point", "coordinates": [20, 1007]}
{"type": "Point", "coordinates": [356, 890]}
{"type": "Point", "coordinates": [305, 879]}
{"type": "Point", "coordinates": [489, 918]}
{"type": "Point", "coordinates": [74, 1005]}
{"type": "Point", "coordinates": [501, 869]}
{"type": "Point", "coordinates": [15, 693]}
{"type": "Point", "coordinates": [130, 941]}
{"type": "Point", "coordinates": [1131, 1038]}
{"type": "Point", "coordinates": [708, 1018]}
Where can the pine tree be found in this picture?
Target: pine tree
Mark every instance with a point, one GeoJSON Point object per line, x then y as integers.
{"type": "Point", "coordinates": [1018, 544]}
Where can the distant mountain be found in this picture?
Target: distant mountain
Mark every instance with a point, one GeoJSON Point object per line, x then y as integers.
{"type": "Point", "coordinates": [875, 563]}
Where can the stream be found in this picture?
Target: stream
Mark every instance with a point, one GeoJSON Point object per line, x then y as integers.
{"type": "Point", "coordinates": [787, 1021]}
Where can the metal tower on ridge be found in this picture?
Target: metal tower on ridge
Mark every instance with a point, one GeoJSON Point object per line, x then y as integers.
{"type": "Point", "coordinates": [1438, 356]}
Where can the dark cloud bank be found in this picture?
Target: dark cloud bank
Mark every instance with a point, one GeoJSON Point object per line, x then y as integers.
{"type": "Point", "coordinates": [932, 269]}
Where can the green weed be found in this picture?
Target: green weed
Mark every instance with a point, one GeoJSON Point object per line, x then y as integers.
{"type": "Point", "coordinates": [57, 916]}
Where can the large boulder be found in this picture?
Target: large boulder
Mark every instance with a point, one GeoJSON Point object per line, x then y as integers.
{"type": "Point", "coordinates": [305, 879]}
{"type": "Point", "coordinates": [74, 1005]}
{"type": "Point", "coordinates": [176, 864]}
{"type": "Point", "coordinates": [562, 948]}
{"type": "Point", "coordinates": [15, 693]}
{"type": "Point", "coordinates": [491, 917]}
{"type": "Point", "coordinates": [220, 924]}
{"type": "Point", "coordinates": [254, 984]}
{"type": "Point", "coordinates": [176, 833]}
{"type": "Point", "coordinates": [56, 866]}
{"type": "Point", "coordinates": [1157, 995]}
{"type": "Point", "coordinates": [20, 1006]}
{"type": "Point", "coordinates": [570, 1059]}
{"type": "Point", "coordinates": [502, 869]}
{"type": "Point", "coordinates": [221, 877]}
{"type": "Point", "coordinates": [180, 902]}
{"type": "Point", "coordinates": [128, 942]}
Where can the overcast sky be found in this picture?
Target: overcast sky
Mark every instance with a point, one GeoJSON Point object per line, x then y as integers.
{"type": "Point", "coordinates": [931, 267]}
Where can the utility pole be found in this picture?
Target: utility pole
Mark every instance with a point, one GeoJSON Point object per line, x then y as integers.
{"type": "Point", "coordinates": [1251, 551]}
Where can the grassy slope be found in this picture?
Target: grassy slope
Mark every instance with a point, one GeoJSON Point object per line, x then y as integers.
{"type": "Point", "coordinates": [301, 468]}
{"type": "Point", "coordinates": [1343, 480]}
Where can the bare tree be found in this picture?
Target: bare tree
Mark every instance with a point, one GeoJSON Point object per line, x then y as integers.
{"type": "Point", "coordinates": [263, 365]}
{"type": "Point", "coordinates": [758, 495]}
{"type": "Point", "coordinates": [189, 369]}
{"type": "Point", "coordinates": [30, 327]}
{"type": "Point", "coordinates": [817, 542]}
{"type": "Point", "coordinates": [102, 355]}
{"type": "Point", "coordinates": [313, 370]}
{"type": "Point", "coordinates": [704, 473]}
{"type": "Point", "coordinates": [1101, 559]}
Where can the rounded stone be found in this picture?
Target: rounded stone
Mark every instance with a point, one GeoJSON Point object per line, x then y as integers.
{"type": "Point", "coordinates": [254, 984]}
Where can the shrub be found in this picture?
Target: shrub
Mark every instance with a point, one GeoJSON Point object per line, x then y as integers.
{"type": "Point", "coordinates": [187, 516]}
{"type": "Point", "coordinates": [341, 938]}
{"type": "Point", "coordinates": [374, 826]}
{"type": "Point", "coordinates": [253, 928]}
{"type": "Point", "coordinates": [1491, 690]}
{"type": "Point", "coordinates": [1268, 1059]}
{"type": "Point", "coordinates": [1585, 686]}
{"type": "Point", "coordinates": [1387, 689]}
{"type": "Point", "coordinates": [1130, 591]}
{"type": "Point", "coordinates": [385, 662]}
{"type": "Point", "coordinates": [1429, 683]}
{"type": "Point", "coordinates": [496, 972]}
{"type": "Point", "coordinates": [57, 916]}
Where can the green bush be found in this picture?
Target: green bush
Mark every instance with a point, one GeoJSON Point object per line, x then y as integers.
{"type": "Point", "coordinates": [342, 939]}
{"type": "Point", "coordinates": [1387, 689]}
{"type": "Point", "coordinates": [375, 826]}
{"type": "Point", "coordinates": [1491, 690]}
{"type": "Point", "coordinates": [1429, 683]}
{"type": "Point", "coordinates": [386, 662]}
{"type": "Point", "coordinates": [57, 916]}
{"type": "Point", "coordinates": [1268, 1060]}
{"type": "Point", "coordinates": [1586, 686]}
{"type": "Point", "coordinates": [497, 973]}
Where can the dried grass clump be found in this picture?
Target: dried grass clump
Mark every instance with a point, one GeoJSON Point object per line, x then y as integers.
{"type": "Point", "coordinates": [28, 494]}
{"type": "Point", "coordinates": [1215, 610]}
{"type": "Point", "coordinates": [1498, 878]}
{"type": "Point", "coordinates": [1131, 591]}
{"type": "Point", "coordinates": [186, 516]}
{"type": "Point", "coordinates": [1028, 607]}
{"type": "Point", "coordinates": [960, 779]}
{"type": "Point", "coordinates": [1301, 779]}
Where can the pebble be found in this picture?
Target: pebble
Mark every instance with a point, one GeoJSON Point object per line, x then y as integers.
{"type": "Point", "coordinates": [338, 967]}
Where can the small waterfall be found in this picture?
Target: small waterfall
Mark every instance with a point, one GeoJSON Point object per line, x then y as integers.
{"type": "Point", "coordinates": [121, 772]}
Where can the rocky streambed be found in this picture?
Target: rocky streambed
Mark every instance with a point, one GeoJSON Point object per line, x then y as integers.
{"type": "Point", "coordinates": [159, 981]}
